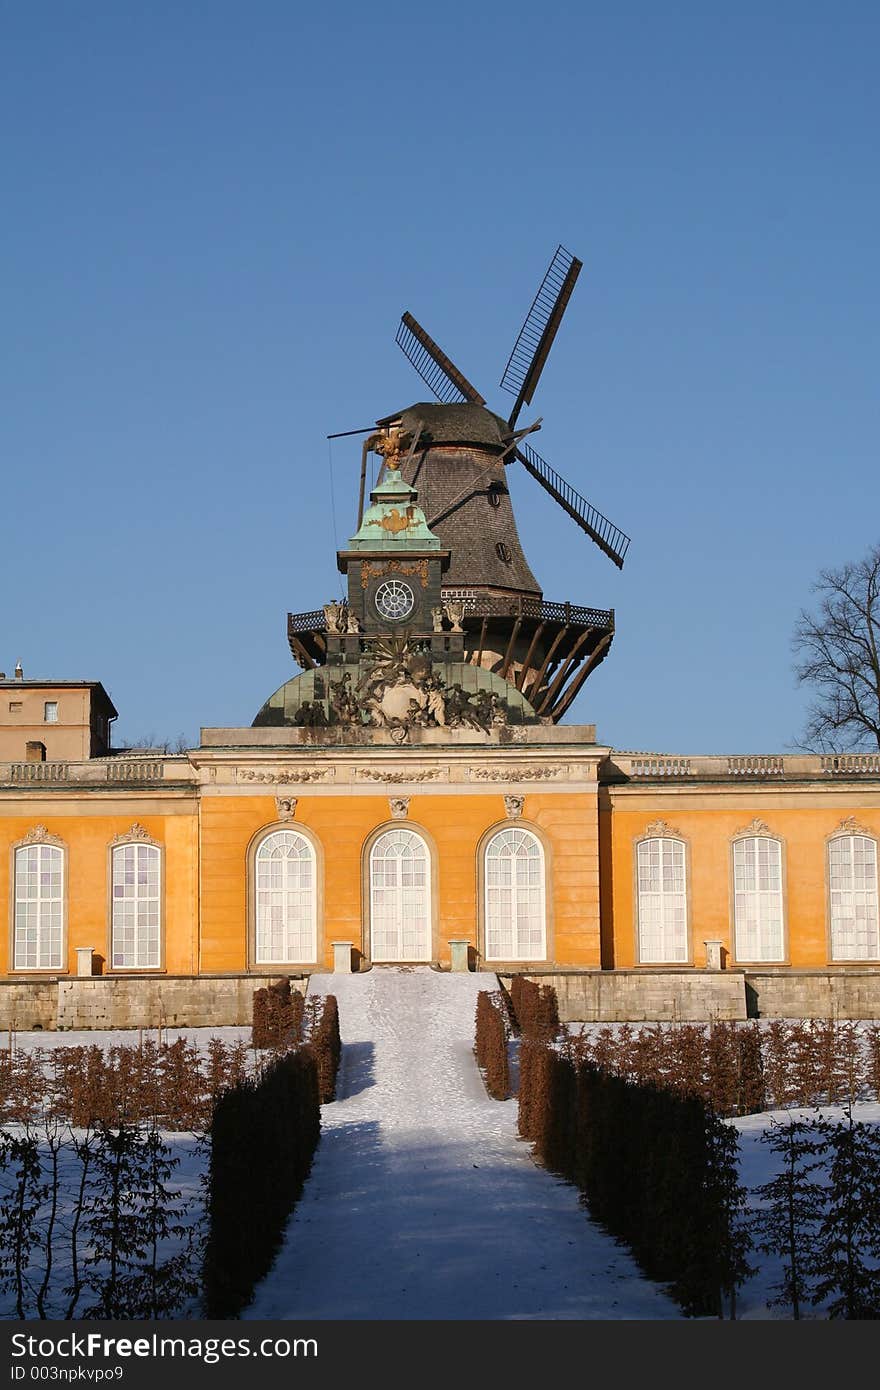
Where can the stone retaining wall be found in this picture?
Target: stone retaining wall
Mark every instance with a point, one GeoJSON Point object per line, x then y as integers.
{"type": "Point", "coordinates": [637, 996]}
{"type": "Point", "coordinates": [814, 994]}
{"type": "Point", "coordinates": [134, 1001]}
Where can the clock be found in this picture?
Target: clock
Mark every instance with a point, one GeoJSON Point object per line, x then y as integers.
{"type": "Point", "coordinates": [394, 600]}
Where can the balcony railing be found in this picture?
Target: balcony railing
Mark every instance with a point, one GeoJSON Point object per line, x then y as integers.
{"type": "Point", "coordinates": [97, 771]}
{"type": "Point", "coordinates": [753, 767]}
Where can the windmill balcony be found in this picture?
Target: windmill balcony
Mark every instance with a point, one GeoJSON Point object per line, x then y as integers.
{"type": "Point", "coordinates": [546, 650]}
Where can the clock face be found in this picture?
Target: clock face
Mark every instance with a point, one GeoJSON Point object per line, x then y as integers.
{"type": "Point", "coordinates": [394, 600]}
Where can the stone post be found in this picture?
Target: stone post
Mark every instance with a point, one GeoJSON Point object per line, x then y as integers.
{"type": "Point", "coordinates": [460, 955]}
{"type": "Point", "coordinates": [713, 954]}
{"type": "Point", "coordinates": [342, 957]}
{"type": "Point", "coordinates": [84, 960]}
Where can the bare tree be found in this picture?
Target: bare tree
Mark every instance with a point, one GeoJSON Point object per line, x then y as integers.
{"type": "Point", "coordinates": [839, 651]}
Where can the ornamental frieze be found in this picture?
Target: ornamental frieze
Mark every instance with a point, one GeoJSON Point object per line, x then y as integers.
{"type": "Point", "coordinates": [524, 774]}
{"type": "Point", "coordinates": [427, 774]}
{"type": "Point", "coordinates": [316, 774]}
{"type": "Point", "coordinates": [415, 567]}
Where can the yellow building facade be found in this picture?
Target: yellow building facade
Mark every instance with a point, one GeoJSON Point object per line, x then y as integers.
{"type": "Point", "coordinates": [644, 886]}
{"type": "Point", "coordinates": [413, 796]}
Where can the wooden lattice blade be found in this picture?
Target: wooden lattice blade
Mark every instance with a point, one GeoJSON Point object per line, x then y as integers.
{"type": "Point", "coordinates": [606, 535]}
{"type": "Point", "coordinates": [526, 361]}
{"type": "Point", "coordinates": [437, 370]}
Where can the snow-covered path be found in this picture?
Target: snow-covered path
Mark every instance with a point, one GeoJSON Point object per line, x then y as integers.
{"type": "Point", "coordinates": [422, 1202]}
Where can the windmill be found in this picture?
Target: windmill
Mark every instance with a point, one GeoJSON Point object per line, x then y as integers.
{"type": "Point", "coordinates": [521, 376]}
{"type": "Point", "coordinates": [489, 616]}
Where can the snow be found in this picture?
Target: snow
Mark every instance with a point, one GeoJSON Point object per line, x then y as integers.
{"type": "Point", "coordinates": [422, 1202]}
{"type": "Point", "coordinates": [758, 1166]}
{"type": "Point", "coordinates": [121, 1037]}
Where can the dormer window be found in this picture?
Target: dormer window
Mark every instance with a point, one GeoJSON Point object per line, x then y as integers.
{"type": "Point", "coordinates": [50, 712]}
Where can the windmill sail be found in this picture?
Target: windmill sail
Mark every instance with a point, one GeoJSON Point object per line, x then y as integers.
{"type": "Point", "coordinates": [607, 536]}
{"type": "Point", "coordinates": [433, 366]}
{"type": "Point", "coordinates": [526, 362]}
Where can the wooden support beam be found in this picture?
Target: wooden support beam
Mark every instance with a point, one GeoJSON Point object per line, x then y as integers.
{"type": "Point", "coordinates": [301, 654]}
{"type": "Point", "coordinates": [479, 659]}
{"type": "Point", "coordinates": [508, 654]}
{"type": "Point", "coordinates": [536, 683]}
{"type": "Point", "coordinates": [563, 672]}
{"type": "Point", "coordinates": [589, 665]}
{"type": "Point", "coordinates": [527, 664]}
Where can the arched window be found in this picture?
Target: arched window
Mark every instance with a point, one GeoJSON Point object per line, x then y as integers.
{"type": "Point", "coordinates": [516, 926]}
{"type": "Point", "coordinates": [135, 895]}
{"type": "Point", "coordinates": [758, 915]}
{"type": "Point", "coordinates": [286, 909]}
{"type": "Point", "coordinates": [39, 907]}
{"type": "Point", "coordinates": [852, 884]}
{"type": "Point", "coordinates": [400, 897]}
{"type": "Point", "coordinates": [662, 901]}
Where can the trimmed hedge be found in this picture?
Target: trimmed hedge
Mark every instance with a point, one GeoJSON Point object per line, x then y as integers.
{"type": "Point", "coordinates": [263, 1137]}
{"type": "Point", "coordinates": [535, 1009]}
{"type": "Point", "coordinates": [327, 1046]}
{"type": "Point", "coordinates": [657, 1169]}
{"type": "Point", "coordinates": [490, 1046]}
{"type": "Point", "coordinates": [277, 1016]}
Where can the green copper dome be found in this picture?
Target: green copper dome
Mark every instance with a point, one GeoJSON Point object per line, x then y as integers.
{"type": "Point", "coordinates": [394, 522]}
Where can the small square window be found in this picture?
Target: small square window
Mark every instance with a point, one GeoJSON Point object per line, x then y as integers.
{"type": "Point", "coordinates": [50, 712]}
{"type": "Point", "coordinates": [14, 706]}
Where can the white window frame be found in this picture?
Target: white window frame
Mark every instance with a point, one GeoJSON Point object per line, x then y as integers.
{"type": "Point", "coordinates": [759, 933]}
{"type": "Point", "coordinates": [36, 904]}
{"type": "Point", "coordinates": [862, 908]}
{"type": "Point", "coordinates": [50, 705]}
{"type": "Point", "coordinates": [522, 901]}
{"type": "Point", "coordinates": [414, 899]}
{"type": "Point", "coordinates": [146, 922]}
{"type": "Point", "coordinates": [671, 923]}
{"type": "Point", "coordinates": [296, 932]}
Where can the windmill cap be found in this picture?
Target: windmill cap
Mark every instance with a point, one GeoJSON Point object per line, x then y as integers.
{"type": "Point", "coordinates": [460, 423]}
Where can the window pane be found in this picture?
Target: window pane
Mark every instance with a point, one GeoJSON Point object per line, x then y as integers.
{"type": "Point", "coordinates": [515, 908]}
{"type": "Point", "coordinates": [39, 908]}
{"type": "Point", "coordinates": [285, 900]}
{"type": "Point", "coordinates": [662, 901]}
{"type": "Point", "coordinates": [758, 922]}
{"type": "Point", "coordinates": [136, 906]}
{"type": "Point", "coordinates": [852, 884]}
{"type": "Point", "coordinates": [400, 897]}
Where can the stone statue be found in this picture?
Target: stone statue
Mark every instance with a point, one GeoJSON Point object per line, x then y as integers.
{"type": "Point", "coordinates": [436, 700]}
{"type": "Point", "coordinates": [497, 709]}
{"type": "Point", "coordinates": [455, 613]}
{"type": "Point", "coordinates": [351, 622]}
{"type": "Point", "coordinates": [437, 618]}
{"type": "Point", "coordinates": [342, 701]}
{"type": "Point", "coordinates": [335, 614]}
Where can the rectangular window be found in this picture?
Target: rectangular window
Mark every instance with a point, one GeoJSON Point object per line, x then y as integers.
{"type": "Point", "coordinates": [757, 899]}
{"type": "Point", "coordinates": [50, 712]}
{"type": "Point", "coordinates": [852, 881]}
{"type": "Point", "coordinates": [136, 918]}
{"type": "Point", "coordinates": [39, 908]}
{"type": "Point", "coordinates": [14, 706]}
{"type": "Point", "coordinates": [662, 901]}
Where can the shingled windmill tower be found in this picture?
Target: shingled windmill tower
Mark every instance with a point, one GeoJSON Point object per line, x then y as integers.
{"type": "Point", "coordinates": [449, 460]}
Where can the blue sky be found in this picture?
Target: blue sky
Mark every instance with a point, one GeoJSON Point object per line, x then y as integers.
{"type": "Point", "coordinates": [214, 216]}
